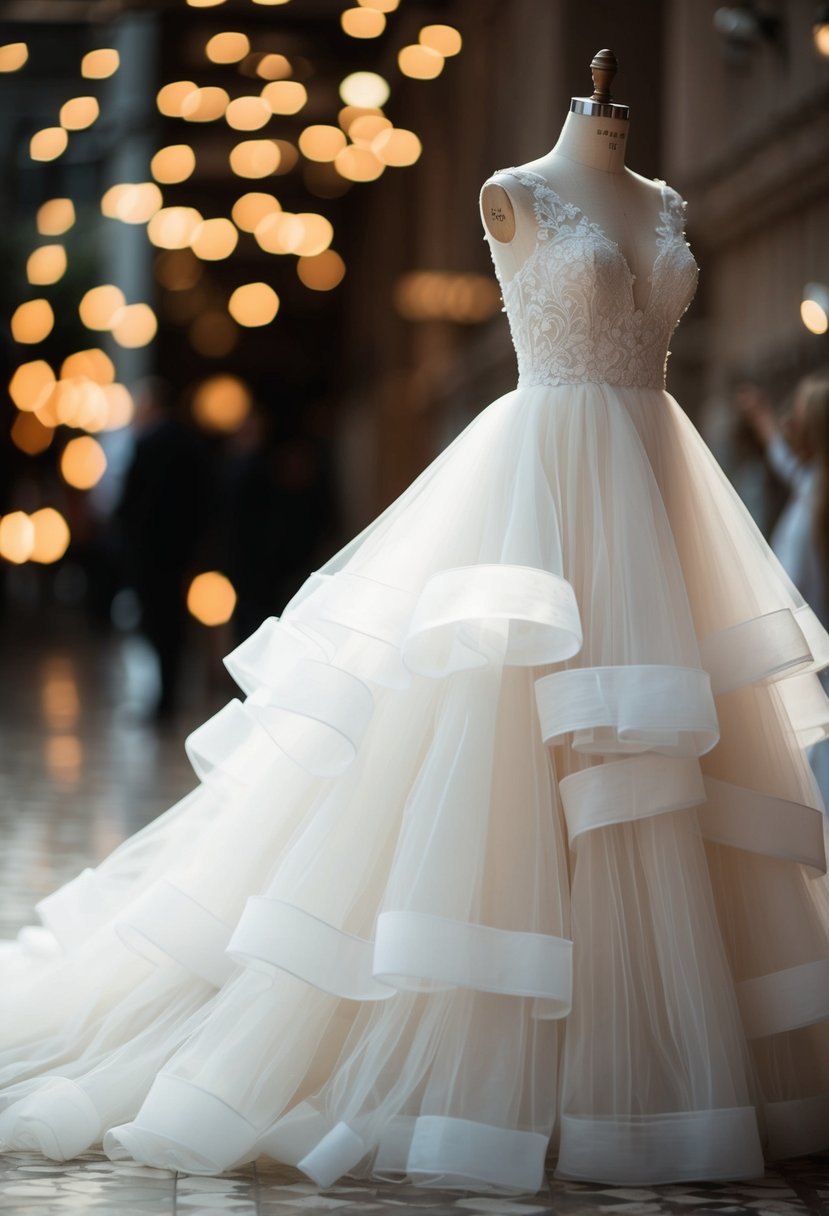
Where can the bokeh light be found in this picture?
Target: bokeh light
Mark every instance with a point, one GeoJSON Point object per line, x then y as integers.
{"type": "Point", "coordinates": [48, 144]}
{"type": "Point", "coordinates": [285, 96]}
{"type": "Point", "coordinates": [321, 142]}
{"type": "Point", "coordinates": [273, 67]}
{"type": "Point", "coordinates": [363, 22]}
{"type": "Point", "coordinates": [204, 105]}
{"type": "Point", "coordinates": [255, 158]}
{"type": "Point", "coordinates": [211, 598]}
{"type": "Point", "coordinates": [251, 209]}
{"type": "Point", "coordinates": [135, 325]}
{"type": "Point", "coordinates": [175, 163]}
{"type": "Point", "coordinates": [46, 264]}
{"type": "Point", "coordinates": [132, 202]}
{"type": "Point", "coordinates": [248, 113]}
{"type": "Point", "coordinates": [33, 321]}
{"type": "Point", "coordinates": [12, 56]}
{"type": "Point", "coordinates": [396, 147]}
{"type": "Point", "coordinates": [322, 272]}
{"type": "Point", "coordinates": [227, 47]}
{"type": "Point", "coordinates": [364, 89]}
{"type": "Point", "coordinates": [97, 65]}
{"type": "Point", "coordinates": [358, 164]}
{"type": "Point", "coordinates": [178, 269]}
{"type": "Point", "coordinates": [253, 304]}
{"type": "Point", "coordinates": [214, 239]}
{"type": "Point", "coordinates": [100, 306]}
{"type": "Point", "coordinates": [30, 435]}
{"type": "Point", "coordinates": [83, 462]}
{"type": "Point", "coordinates": [444, 39]}
{"type": "Point", "coordinates": [173, 227]}
{"type": "Point", "coordinates": [92, 364]}
{"type": "Point", "coordinates": [51, 535]}
{"type": "Point", "coordinates": [55, 216]}
{"type": "Point", "coordinates": [17, 537]}
{"type": "Point", "coordinates": [171, 97]}
{"type": "Point", "coordinates": [31, 384]}
{"type": "Point", "coordinates": [222, 403]}
{"type": "Point", "coordinates": [382, 6]}
{"type": "Point", "coordinates": [365, 128]}
{"type": "Point", "coordinates": [420, 62]}
{"type": "Point", "coordinates": [79, 113]}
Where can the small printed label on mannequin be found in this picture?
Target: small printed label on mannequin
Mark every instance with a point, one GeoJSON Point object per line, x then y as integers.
{"type": "Point", "coordinates": [612, 134]}
{"type": "Point", "coordinates": [497, 214]}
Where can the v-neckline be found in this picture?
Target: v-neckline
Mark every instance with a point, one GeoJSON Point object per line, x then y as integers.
{"type": "Point", "coordinates": [661, 247]}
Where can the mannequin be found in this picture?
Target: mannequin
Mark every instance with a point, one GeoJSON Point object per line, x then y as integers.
{"type": "Point", "coordinates": [586, 167]}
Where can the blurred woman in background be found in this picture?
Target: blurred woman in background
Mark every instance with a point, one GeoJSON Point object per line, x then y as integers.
{"type": "Point", "coordinates": [797, 448]}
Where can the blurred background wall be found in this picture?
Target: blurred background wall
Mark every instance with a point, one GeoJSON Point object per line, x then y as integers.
{"type": "Point", "coordinates": [247, 297]}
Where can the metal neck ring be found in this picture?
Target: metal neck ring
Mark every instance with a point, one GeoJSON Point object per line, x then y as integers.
{"type": "Point", "coordinates": [598, 109]}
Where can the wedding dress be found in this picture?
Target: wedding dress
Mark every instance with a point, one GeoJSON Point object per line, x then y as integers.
{"type": "Point", "coordinates": [512, 843]}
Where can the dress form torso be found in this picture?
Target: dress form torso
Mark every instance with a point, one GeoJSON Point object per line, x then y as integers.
{"type": "Point", "coordinates": [586, 168]}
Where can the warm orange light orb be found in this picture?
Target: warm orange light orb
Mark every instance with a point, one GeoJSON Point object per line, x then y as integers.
{"type": "Point", "coordinates": [100, 306]}
{"type": "Point", "coordinates": [175, 163]}
{"type": "Point", "coordinates": [48, 144]}
{"type": "Point", "coordinates": [222, 403]}
{"type": "Point", "coordinates": [51, 536]}
{"type": "Point", "coordinates": [97, 65]}
{"type": "Point", "coordinates": [253, 304]}
{"type": "Point", "coordinates": [32, 321]}
{"type": "Point", "coordinates": [17, 537]}
{"type": "Point", "coordinates": [82, 462]}
{"type": "Point", "coordinates": [322, 272]}
{"type": "Point", "coordinates": [79, 113]}
{"type": "Point", "coordinates": [214, 239]}
{"type": "Point", "coordinates": [55, 217]}
{"type": "Point", "coordinates": [211, 598]}
{"type": "Point", "coordinates": [46, 264]}
{"type": "Point", "coordinates": [31, 384]}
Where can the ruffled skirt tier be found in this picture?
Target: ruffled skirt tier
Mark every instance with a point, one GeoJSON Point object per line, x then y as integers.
{"type": "Point", "coordinates": [511, 842]}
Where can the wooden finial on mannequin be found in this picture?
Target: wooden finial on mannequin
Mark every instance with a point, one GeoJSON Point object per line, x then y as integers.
{"type": "Point", "coordinates": [603, 67]}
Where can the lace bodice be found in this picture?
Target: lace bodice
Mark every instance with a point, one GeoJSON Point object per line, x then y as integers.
{"type": "Point", "coordinates": [571, 306]}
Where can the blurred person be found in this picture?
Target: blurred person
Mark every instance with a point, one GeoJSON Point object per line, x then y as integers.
{"type": "Point", "coordinates": [163, 513]}
{"type": "Point", "coordinates": [797, 449]}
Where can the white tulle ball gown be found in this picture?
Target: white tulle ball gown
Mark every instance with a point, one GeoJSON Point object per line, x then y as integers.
{"type": "Point", "coordinates": [511, 846]}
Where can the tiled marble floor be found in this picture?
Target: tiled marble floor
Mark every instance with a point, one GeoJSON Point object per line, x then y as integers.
{"type": "Point", "coordinates": [79, 770]}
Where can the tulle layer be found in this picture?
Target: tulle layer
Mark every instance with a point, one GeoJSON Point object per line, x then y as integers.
{"type": "Point", "coordinates": [511, 843]}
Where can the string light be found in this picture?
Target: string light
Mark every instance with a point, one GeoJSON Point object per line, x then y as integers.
{"type": "Point", "coordinates": [366, 127]}
{"type": "Point", "coordinates": [274, 233]}
{"type": "Point", "coordinates": [288, 155]}
{"type": "Point", "coordinates": [382, 6]}
{"type": "Point", "coordinates": [92, 364]}
{"type": "Point", "coordinates": [132, 202]}
{"type": "Point", "coordinates": [358, 164]}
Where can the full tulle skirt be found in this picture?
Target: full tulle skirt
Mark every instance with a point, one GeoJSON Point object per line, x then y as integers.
{"type": "Point", "coordinates": [509, 845]}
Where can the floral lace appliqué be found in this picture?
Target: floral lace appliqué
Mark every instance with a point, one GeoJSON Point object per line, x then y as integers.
{"type": "Point", "coordinates": [571, 305]}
